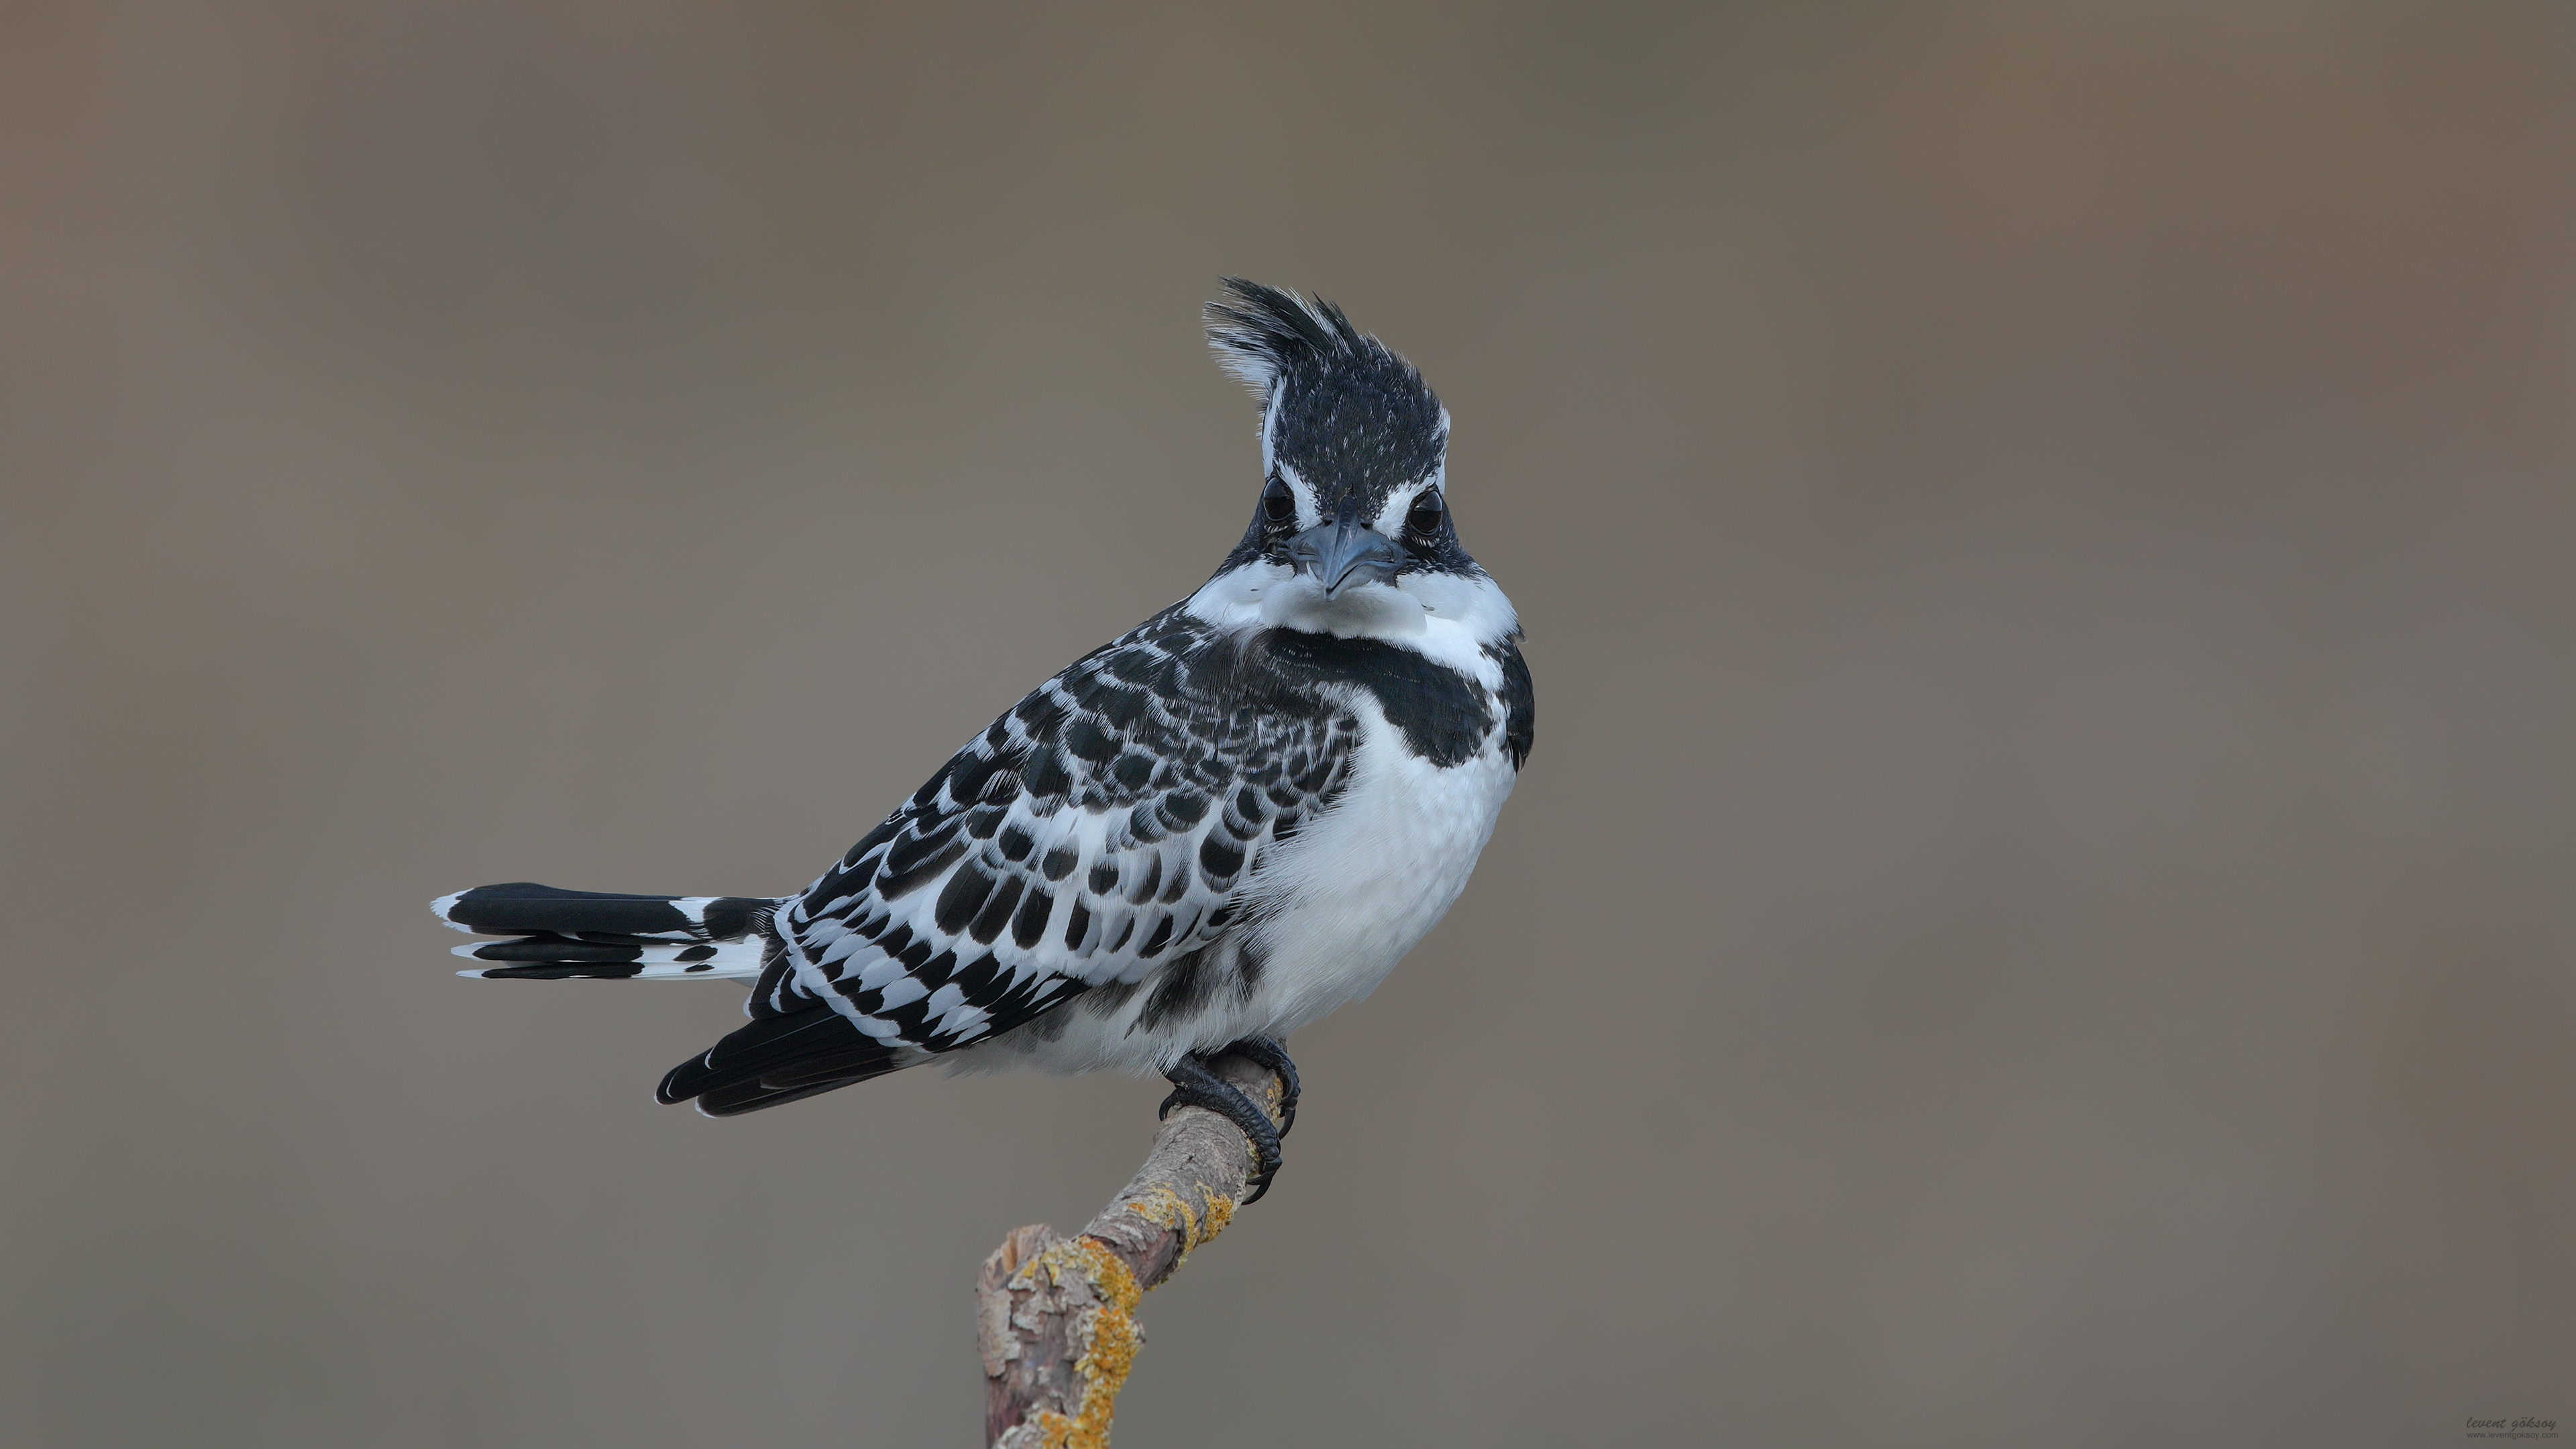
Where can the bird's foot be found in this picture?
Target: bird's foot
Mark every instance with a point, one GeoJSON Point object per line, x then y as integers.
{"type": "Point", "coordinates": [1194, 1084]}
{"type": "Point", "coordinates": [1271, 1052]}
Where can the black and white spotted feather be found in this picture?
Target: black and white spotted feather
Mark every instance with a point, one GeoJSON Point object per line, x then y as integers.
{"type": "Point", "coordinates": [1225, 822]}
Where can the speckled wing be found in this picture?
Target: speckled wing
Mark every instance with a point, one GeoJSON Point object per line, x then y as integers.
{"type": "Point", "coordinates": [1108, 824]}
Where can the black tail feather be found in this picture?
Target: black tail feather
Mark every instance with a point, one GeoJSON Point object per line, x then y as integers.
{"type": "Point", "coordinates": [526, 908]}
{"type": "Point", "coordinates": [558, 935]}
{"type": "Point", "coordinates": [779, 1059]}
{"type": "Point", "coordinates": [794, 1047]}
{"type": "Point", "coordinates": [751, 1097]}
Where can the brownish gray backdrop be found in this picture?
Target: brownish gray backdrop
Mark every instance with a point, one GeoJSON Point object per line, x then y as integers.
{"type": "Point", "coordinates": [2041, 911]}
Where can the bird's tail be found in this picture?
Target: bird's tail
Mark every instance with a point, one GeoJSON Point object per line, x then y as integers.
{"type": "Point", "coordinates": [553, 934]}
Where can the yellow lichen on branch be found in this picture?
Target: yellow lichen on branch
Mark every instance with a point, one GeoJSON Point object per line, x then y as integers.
{"type": "Point", "coordinates": [1166, 1208]}
{"type": "Point", "coordinates": [1108, 1333]}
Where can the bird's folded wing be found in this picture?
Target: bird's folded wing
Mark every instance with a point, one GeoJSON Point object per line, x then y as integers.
{"type": "Point", "coordinates": [1111, 822]}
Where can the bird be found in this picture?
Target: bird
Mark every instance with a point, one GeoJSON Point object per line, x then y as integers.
{"type": "Point", "coordinates": [1206, 833]}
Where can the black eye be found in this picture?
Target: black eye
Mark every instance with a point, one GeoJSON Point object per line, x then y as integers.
{"type": "Point", "coordinates": [1277, 503]}
{"type": "Point", "coordinates": [1424, 517]}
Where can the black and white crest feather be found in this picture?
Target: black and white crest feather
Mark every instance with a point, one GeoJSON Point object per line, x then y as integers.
{"type": "Point", "coordinates": [1334, 399]}
{"type": "Point", "coordinates": [1264, 335]}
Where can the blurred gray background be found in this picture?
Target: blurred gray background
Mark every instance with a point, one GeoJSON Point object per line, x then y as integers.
{"type": "Point", "coordinates": [2040, 913]}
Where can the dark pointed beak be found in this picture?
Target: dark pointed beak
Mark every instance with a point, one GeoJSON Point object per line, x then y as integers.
{"type": "Point", "coordinates": [1344, 554]}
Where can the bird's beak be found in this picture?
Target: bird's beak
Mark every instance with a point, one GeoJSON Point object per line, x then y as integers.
{"type": "Point", "coordinates": [1344, 554]}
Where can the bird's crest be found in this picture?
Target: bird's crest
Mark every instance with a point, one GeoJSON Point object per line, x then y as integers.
{"type": "Point", "coordinates": [1263, 335]}
{"type": "Point", "coordinates": [1331, 395]}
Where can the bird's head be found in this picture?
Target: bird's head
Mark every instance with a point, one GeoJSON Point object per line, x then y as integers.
{"type": "Point", "coordinates": [1351, 527]}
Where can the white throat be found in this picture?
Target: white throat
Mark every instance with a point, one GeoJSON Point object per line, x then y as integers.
{"type": "Point", "coordinates": [1446, 617]}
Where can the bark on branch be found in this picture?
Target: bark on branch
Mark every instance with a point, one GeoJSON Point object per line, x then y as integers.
{"type": "Point", "coordinates": [1056, 1317]}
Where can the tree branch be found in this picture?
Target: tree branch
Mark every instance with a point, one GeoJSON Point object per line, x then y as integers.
{"type": "Point", "coordinates": [1056, 1317]}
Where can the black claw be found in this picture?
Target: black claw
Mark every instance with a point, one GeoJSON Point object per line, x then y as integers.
{"type": "Point", "coordinates": [1271, 1052]}
{"type": "Point", "coordinates": [1194, 1085]}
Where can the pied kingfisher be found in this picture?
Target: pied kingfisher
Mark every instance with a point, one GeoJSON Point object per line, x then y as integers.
{"type": "Point", "coordinates": [1197, 838]}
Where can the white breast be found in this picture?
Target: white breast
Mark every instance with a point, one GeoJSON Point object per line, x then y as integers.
{"type": "Point", "coordinates": [1368, 879]}
{"type": "Point", "coordinates": [1332, 909]}
{"type": "Point", "coordinates": [1338, 905]}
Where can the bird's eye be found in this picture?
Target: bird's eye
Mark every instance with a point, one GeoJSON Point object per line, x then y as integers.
{"type": "Point", "coordinates": [1424, 517]}
{"type": "Point", "coordinates": [1277, 504]}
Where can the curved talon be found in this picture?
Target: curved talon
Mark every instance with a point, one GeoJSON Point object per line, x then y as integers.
{"type": "Point", "coordinates": [1194, 1085]}
{"type": "Point", "coordinates": [1261, 1184]}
